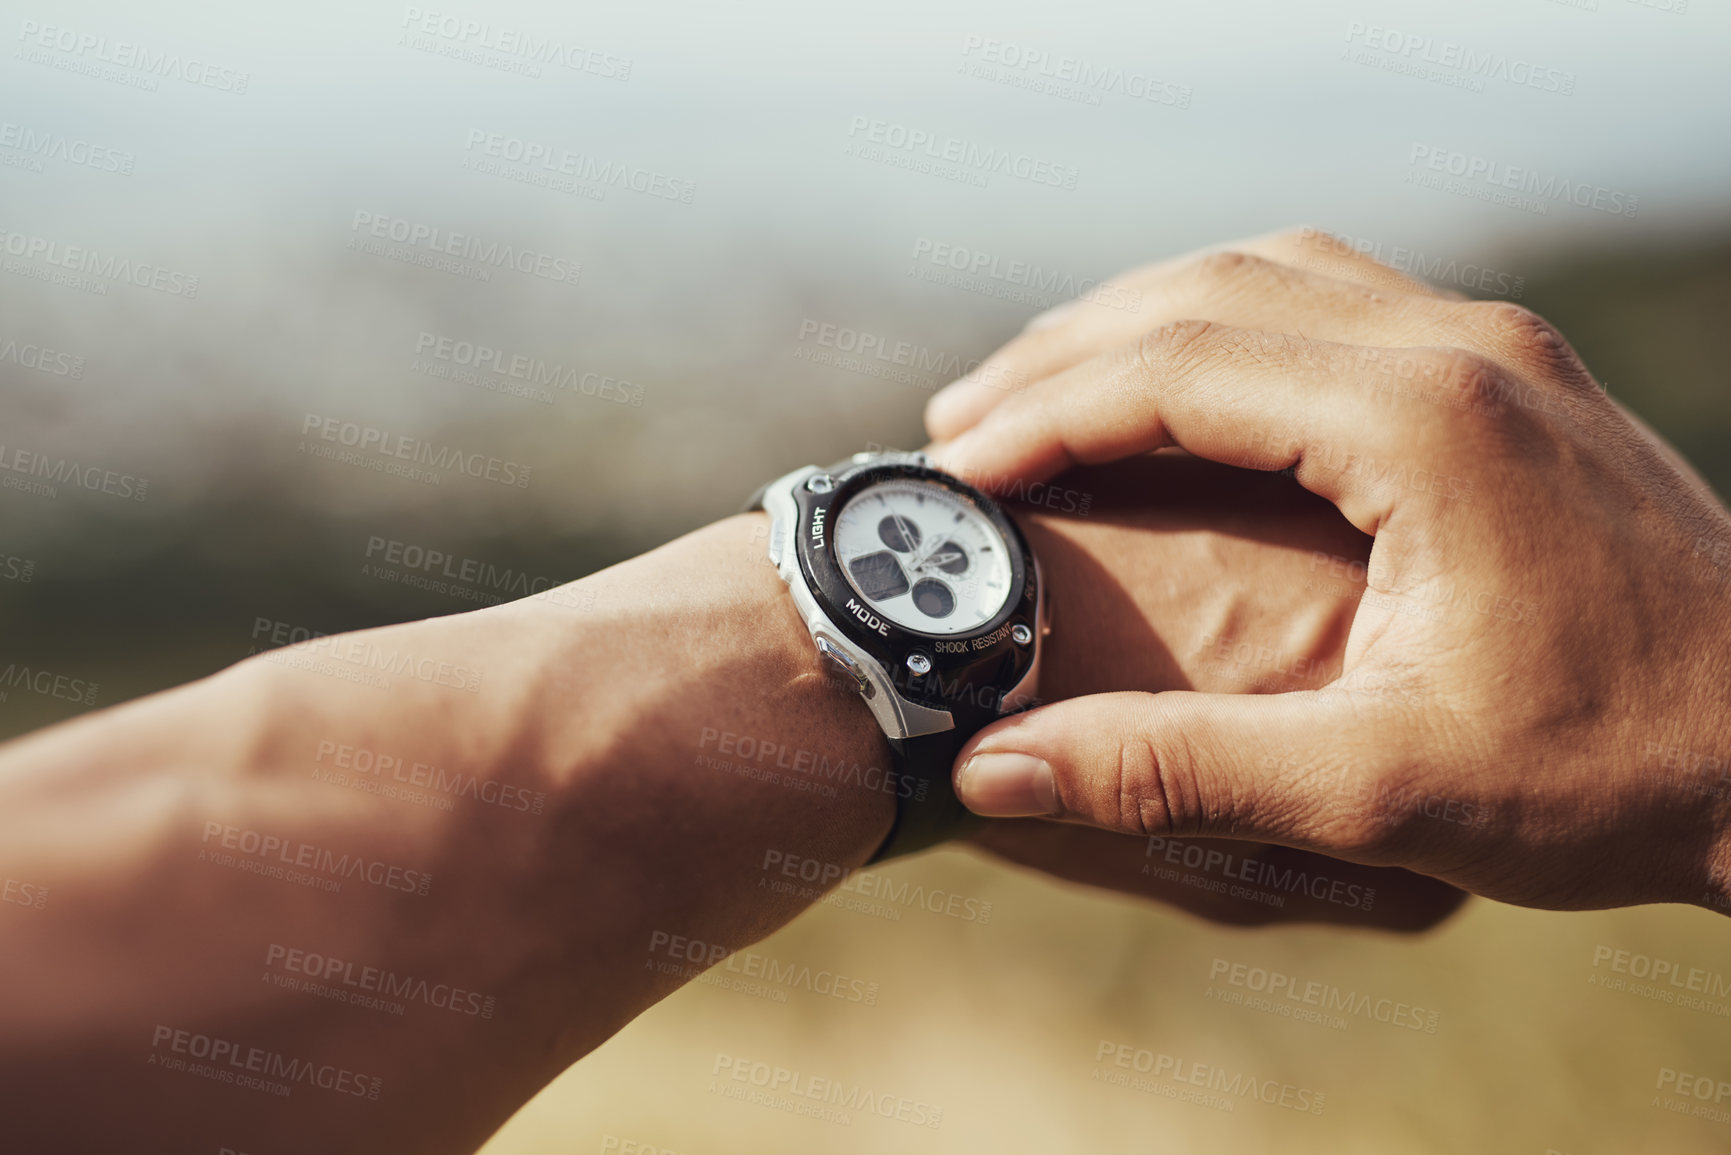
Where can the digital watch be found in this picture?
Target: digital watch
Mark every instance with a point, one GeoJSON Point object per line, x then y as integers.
{"type": "Point", "coordinates": [926, 596]}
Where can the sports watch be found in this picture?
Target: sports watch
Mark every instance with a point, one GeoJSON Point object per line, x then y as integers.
{"type": "Point", "coordinates": [926, 596]}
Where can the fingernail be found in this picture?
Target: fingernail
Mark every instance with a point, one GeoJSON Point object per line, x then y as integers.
{"type": "Point", "coordinates": [1007, 786]}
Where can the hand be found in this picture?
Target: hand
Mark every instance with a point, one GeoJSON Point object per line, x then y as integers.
{"type": "Point", "coordinates": [1234, 582]}
{"type": "Point", "coordinates": [1532, 704]}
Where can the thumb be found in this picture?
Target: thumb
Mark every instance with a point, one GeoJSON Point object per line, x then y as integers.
{"type": "Point", "coordinates": [1271, 767]}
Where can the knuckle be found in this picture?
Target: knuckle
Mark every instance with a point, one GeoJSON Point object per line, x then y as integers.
{"type": "Point", "coordinates": [1177, 335]}
{"type": "Point", "coordinates": [1269, 350]}
{"type": "Point", "coordinates": [1514, 324]}
{"type": "Point", "coordinates": [1142, 805]}
{"type": "Point", "coordinates": [1451, 400]}
{"type": "Point", "coordinates": [1476, 385]}
{"type": "Point", "coordinates": [1175, 344]}
{"type": "Point", "coordinates": [1156, 792]}
{"type": "Point", "coordinates": [1526, 339]}
{"type": "Point", "coordinates": [1223, 265]}
{"type": "Point", "coordinates": [1230, 273]}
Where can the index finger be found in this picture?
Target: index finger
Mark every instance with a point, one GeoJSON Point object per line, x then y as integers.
{"type": "Point", "coordinates": [1251, 283]}
{"type": "Point", "coordinates": [1258, 400]}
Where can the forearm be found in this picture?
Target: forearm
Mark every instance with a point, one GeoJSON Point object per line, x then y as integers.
{"type": "Point", "coordinates": [517, 837]}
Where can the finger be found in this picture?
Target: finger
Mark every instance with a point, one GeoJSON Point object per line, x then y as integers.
{"type": "Point", "coordinates": [1291, 282]}
{"type": "Point", "coordinates": [1272, 768]}
{"type": "Point", "coordinates": [1205, 876]}
{"type": "Point", "coordinates": [1321, 251]}
{"type": "Point", "coordinates": [1250, 399]}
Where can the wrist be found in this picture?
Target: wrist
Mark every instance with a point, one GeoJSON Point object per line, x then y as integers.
{"type": "Point", "coordinates": [689, 734]}
{"type": "Point", "coordinates": [695, 651]}
{"type": "Point", "coordinates": [671, 726]}
{"type": "Point", "coordinates": [600, 698]}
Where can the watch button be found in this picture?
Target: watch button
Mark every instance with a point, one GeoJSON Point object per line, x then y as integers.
{"type": "Point", "coordinates": [850, 667]}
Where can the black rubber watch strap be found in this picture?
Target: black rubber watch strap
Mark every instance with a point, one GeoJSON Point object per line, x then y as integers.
{"type": "Point", "coordinates": [930, 812]}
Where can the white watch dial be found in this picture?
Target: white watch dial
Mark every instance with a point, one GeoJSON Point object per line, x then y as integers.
{"type": "Point", "coordinates": [923, 557]}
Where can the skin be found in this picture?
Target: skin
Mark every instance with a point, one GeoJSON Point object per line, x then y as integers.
{"type": "Point", "coordinates": [620, 708]}
{"type": "Point", "coordinates": [1543, 640]}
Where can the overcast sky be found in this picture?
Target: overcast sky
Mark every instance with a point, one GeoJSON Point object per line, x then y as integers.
{"type": "Point", "coordinates": [795, 164]}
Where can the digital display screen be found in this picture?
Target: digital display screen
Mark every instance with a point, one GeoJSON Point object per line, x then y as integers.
{"type": "Point", "coordinates": [878, 575]}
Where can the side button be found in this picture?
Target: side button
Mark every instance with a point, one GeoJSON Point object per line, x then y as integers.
{"type": "Point", "coordinates": [850, 667]}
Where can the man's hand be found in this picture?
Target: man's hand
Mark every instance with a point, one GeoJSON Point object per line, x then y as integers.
{"type": "Point", "coordinates": [1234, 582]}
{"type": "Point", "coordinates": [1539, 659]}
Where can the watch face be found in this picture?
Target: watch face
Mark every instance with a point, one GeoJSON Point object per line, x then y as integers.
{"type": "Point", "coordinates": [923, 556]}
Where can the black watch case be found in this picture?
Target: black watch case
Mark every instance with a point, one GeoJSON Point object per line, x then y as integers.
{"type": "Point", "coordinates": [972, 676]}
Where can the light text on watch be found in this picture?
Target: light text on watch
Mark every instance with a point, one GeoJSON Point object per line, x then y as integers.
{"type": "Point", "coordinates": [871, 620]}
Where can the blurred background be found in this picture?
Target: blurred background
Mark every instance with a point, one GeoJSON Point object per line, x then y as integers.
{"type": "Point", "coordinates": [654, 266]}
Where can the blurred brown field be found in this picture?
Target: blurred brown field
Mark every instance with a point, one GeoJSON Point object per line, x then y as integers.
{"type": "Point", "coordinates": [1000, 1025]}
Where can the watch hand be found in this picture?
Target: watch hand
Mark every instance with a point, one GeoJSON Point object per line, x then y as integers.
{"type": "Point", "coordinates": [940, 559]}
{"type": "Point", "coordinates": [905, 528]}
{"type": "Point", "coordinates": [920, 560]}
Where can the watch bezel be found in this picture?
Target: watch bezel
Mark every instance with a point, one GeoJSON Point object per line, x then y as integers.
{"type": "Point", "coordinates": [971, 670]}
